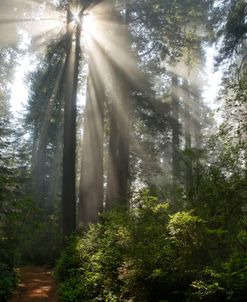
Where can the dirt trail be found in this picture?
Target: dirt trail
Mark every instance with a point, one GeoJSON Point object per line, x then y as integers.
{"type": "Point", "coordinates": [36, 284]}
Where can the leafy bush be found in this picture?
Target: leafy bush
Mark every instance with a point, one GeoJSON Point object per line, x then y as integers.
{"type": "Point", "coordinates": [41, 239]}
{"type": "Point", "coordinates": [28, 228]}
{"type": "Point", "coordinates": [8, 277]}
{"type": "Point", "coordinates": [149, 253]}
{"type": "Point", "coordinates": [227, 284]}
{"type": "Point", "coordinates": [234, 277]}
{"type": "Point", "coordinates": [8, 281]}
{"type": "Point", "coordinates": [207, 289]}
{"type": "Point", "coordinates": [141, 254]}
{"type": "Point", "coordinates": [87, 269]}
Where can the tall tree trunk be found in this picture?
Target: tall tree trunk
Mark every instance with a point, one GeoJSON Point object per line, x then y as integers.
{"type": "Point", "coordinates": [40, 154]}
{"type": "Point", "coordinates": [70, 85]}
{"type": "Point", "coordinates": [118, 154]}
{"type": "Point", "coordinates": [56, 175]}
{"type": "Point", "coordinates": [39, 175]}
{"type": "Point", "coordinates": [124, 121]}
{"type": "Point", "coordinates": [91, 192]}
{"type": "Point", "coordinates": [112, 190]}
{"type": "Point", "coordinates": [119, 137]}
{"type": "Point", "coordinates": [187, 134]}
{"type": "Point", "coordinates": [197, 115]}
{"type": "Point", "coordinates": [123, 156]}
{"type": "Point", "coordinates": [123, 141]}
{"type": "Point", "coordinates": [175, 131]}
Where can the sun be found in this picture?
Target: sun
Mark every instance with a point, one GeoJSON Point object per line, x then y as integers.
{"type": "Point", "coordinates": [88, 23]}
{"type": "Point", "coordinates": [76, 14]}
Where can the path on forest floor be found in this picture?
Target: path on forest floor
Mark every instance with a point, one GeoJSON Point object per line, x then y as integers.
{"type": "Point", "coordinates": [36, 284]}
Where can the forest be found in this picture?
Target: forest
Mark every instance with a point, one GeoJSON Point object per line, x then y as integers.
{"type": "Point", "coordinates": [123, 149]}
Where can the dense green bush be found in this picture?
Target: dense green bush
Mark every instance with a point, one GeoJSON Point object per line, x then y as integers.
{"type": "Point", "coordinates": [8, 281]}
{"type": "Point", "coordinates": [149, 253]}
{"type": "Point", "coordinates": [228, 283]}
{"type": "Point", "coordinates": [141, 254]}
{"type": "Point", "coordinates": [34, 234]}
{"type": "Point", "coordinates": [41, 239]}
{"type": "Point", "coordinates": [8, 276]}
{"type": "Point", "coordinates": [234, 277]}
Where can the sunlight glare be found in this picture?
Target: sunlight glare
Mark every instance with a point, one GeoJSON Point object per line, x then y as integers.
{"type": "Point", "coordinates": [89, 24]}
{"type": "Point", "coordinates": [214, 78]}
{"type": "Point", "coordinates": [25, 64]}
{"type": "Point", "coordinates": [75, 12]}
{"type": "Point", "coordinates": [19, 91]}
{"type": "Point", "coordinates": [34, 17]}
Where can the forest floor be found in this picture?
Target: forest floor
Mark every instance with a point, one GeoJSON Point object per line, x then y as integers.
{"type": "Point", "coordinates": [36, 284]}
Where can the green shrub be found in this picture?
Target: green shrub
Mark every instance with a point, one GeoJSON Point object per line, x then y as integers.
{"type": "Point", "coordinates": [132, 255]}
{"type": "Point", "coordinates": [9, 258]}
{"type": "Point", "coordinates": [227, 284]}
{"type": "Point", "coordinates": [87, 269]}
{"type": "Point", "coordinates": [8, 281]}
{"type": "Point", "coordinates": [148, 253]}
{"type": "Point", "coordinates": [208, 288]}
{"type": "Point", "coordinates": [36, 232]}
{"type": "Point", "coordinates": [8, 277]}
{"type": "Point", "coordinates": [234, 277]}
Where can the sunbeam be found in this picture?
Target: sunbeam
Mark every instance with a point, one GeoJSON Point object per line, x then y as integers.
{"type": "Point", "coordinates": [32, 16]}
{"type": "Point", "coordinates": [111, 157]}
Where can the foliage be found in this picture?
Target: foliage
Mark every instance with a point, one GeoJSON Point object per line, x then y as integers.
{"type": "Point", "coordinates": [44, 122]}
{"type": "Point", "coordinates": [143, 254]}
{"type": "Point", "coordinates": [234, 127]}
{"type": "Point", "coordinates": [8, 192]}
{"type": "Point", "coordinates": [228, 283]}
{"type": "Point", "coordinates": [172, 244]}
{"type": "Point", "coordinates": [8, 261]}
{"type": "Point", "coordinates": [8, 281]}
{"type": "Point", "coordinates": [230, 24]}
{"type": "Point", "coordinates": [41, 240]}
{"type": "Point", "coordinates": [190, 248]}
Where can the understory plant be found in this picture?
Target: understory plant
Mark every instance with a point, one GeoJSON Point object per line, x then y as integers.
{"type": "Point", "coordinates": [141, 254]}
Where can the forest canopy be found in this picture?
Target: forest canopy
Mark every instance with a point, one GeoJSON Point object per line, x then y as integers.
{"type": "Point", "coordinates": [118, 171]}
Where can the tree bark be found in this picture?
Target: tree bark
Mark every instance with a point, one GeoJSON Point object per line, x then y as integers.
{"type": "Point", "coordinates": [70, 86]}
{"type": "Point", "coordinates": [119, 142]}
{"type": "Point", "coordinates": [187, 134]}
{"type": "Point", "coordinates": [175, 131]}
{"type": "Point", "coordinates": [91, 192]}
{"type": "Point", "coordinates": [119, 137]}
